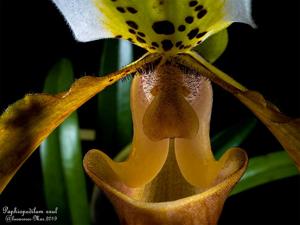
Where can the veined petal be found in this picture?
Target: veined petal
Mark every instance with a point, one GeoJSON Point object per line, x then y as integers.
{"type": "Point", "coordinates": [159, 26]}
{"type": "Point", "coordinates": [284, 128]}
{"type": "Point", "coordinates": [25, 124]}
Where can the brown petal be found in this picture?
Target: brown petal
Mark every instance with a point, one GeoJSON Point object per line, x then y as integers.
{"type": "Point", "coordinates": [284, 128]}
{"type": "Point", "coordinates": [26, 123]}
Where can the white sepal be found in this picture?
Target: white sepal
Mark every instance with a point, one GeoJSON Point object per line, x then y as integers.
{"type": "Point", "coordinates": [239, 11]}
{"type": "Point", "coordinates": [84, 18]}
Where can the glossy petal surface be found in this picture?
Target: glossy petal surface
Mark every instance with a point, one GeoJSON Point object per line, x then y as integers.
{"type": "Point", "coordinates": [168, 180]}
{"type": "Point", "coordinates": [25, 124]}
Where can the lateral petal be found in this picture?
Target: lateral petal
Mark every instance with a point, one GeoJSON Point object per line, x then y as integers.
{"type": "Point", "coordinates": [284, 128]}
{"type": "Point", "coordinates": [26, 123]}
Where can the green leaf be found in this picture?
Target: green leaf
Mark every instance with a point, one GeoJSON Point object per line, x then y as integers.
{"type": "Point", "coordinates": [264, 169]}
{"type": "Point", "coordinates": [113, 103]}
{"type": "Point", "coordinates": [73, 170]}
{"type": "Point", "coordinates": [124, 121]}
{"type": "Point", "coordinates": [214, 46]}
{"type": "Point", "coordinates": [61, 158]}
{"type": "Point", "coordinates": [53, 177]}
{"type": "Point", "coordinates": [107, 106]}
{"type": "Point", "coordinates": [232, 136]}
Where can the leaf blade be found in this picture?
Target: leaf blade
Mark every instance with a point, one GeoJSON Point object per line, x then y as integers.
{"type": "Point", "coordinates": [124, 120]}
{"type": "Point", "coordinates": [71, 155]}
{"type": "Point", "coordinates": [114, 122]}
{"type": "Point", "coordinates": [50, 153]}
{"type": "Point", "coordinates": [106, 100]}
{"type": "Point", "coordinates": [73, 171]}
{"type": "Point", "coordinates": [264, 169]}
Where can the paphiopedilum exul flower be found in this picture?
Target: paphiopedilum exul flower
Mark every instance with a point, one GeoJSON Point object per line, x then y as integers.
{"type": "Point", "coordinates": [171, 176]}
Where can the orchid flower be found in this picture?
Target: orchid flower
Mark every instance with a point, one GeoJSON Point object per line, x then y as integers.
{"type": "Point", "coordinates": [171, 175]}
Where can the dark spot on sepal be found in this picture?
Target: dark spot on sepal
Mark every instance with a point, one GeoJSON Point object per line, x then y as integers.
{"type": "Point", "coordinates": [181, 28]}
{"type": "Point", "coordinates": [163, 27]}
{"type": "Point", "coordinates": [201, 14]}
{"type": "Point", "coordinates": [201, 34]}
{"type": "Point", "coordinates": [167, 45]}
{"type": "Point", "coordinates": [121, 9]}
{"type": "Point", "coordinates": [141, 40]}
{"type": "Point", "coordinates": [189, 19]}
{"type": "Point", "coordinates": [178, 43]}
{"type": "Point", "coordinates": [193, 3]}
{"type": "Point", "coordinates": [141, 34]}
{"type": "Point", "coordinates": [199, 7]}
{"type": "Point", "coordinates": [155, 44]}
{"type": "Point", "coordinates": [132, 24]}
{"type": "Point", "coordinates": [132, 31]}
{"type": "Point", "coordinates": [132, 10]}
{"type": "Point", "coordinates": [193, 33]}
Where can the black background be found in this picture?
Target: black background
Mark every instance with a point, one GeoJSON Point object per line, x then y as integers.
{"type": "Point", "coordinates": [34, 36]}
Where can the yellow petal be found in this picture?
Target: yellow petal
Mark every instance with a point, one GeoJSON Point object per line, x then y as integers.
{"type": "Point", "coordinates": [26, 123]}
{"type": "Point", "coordinates": [284, 128]}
